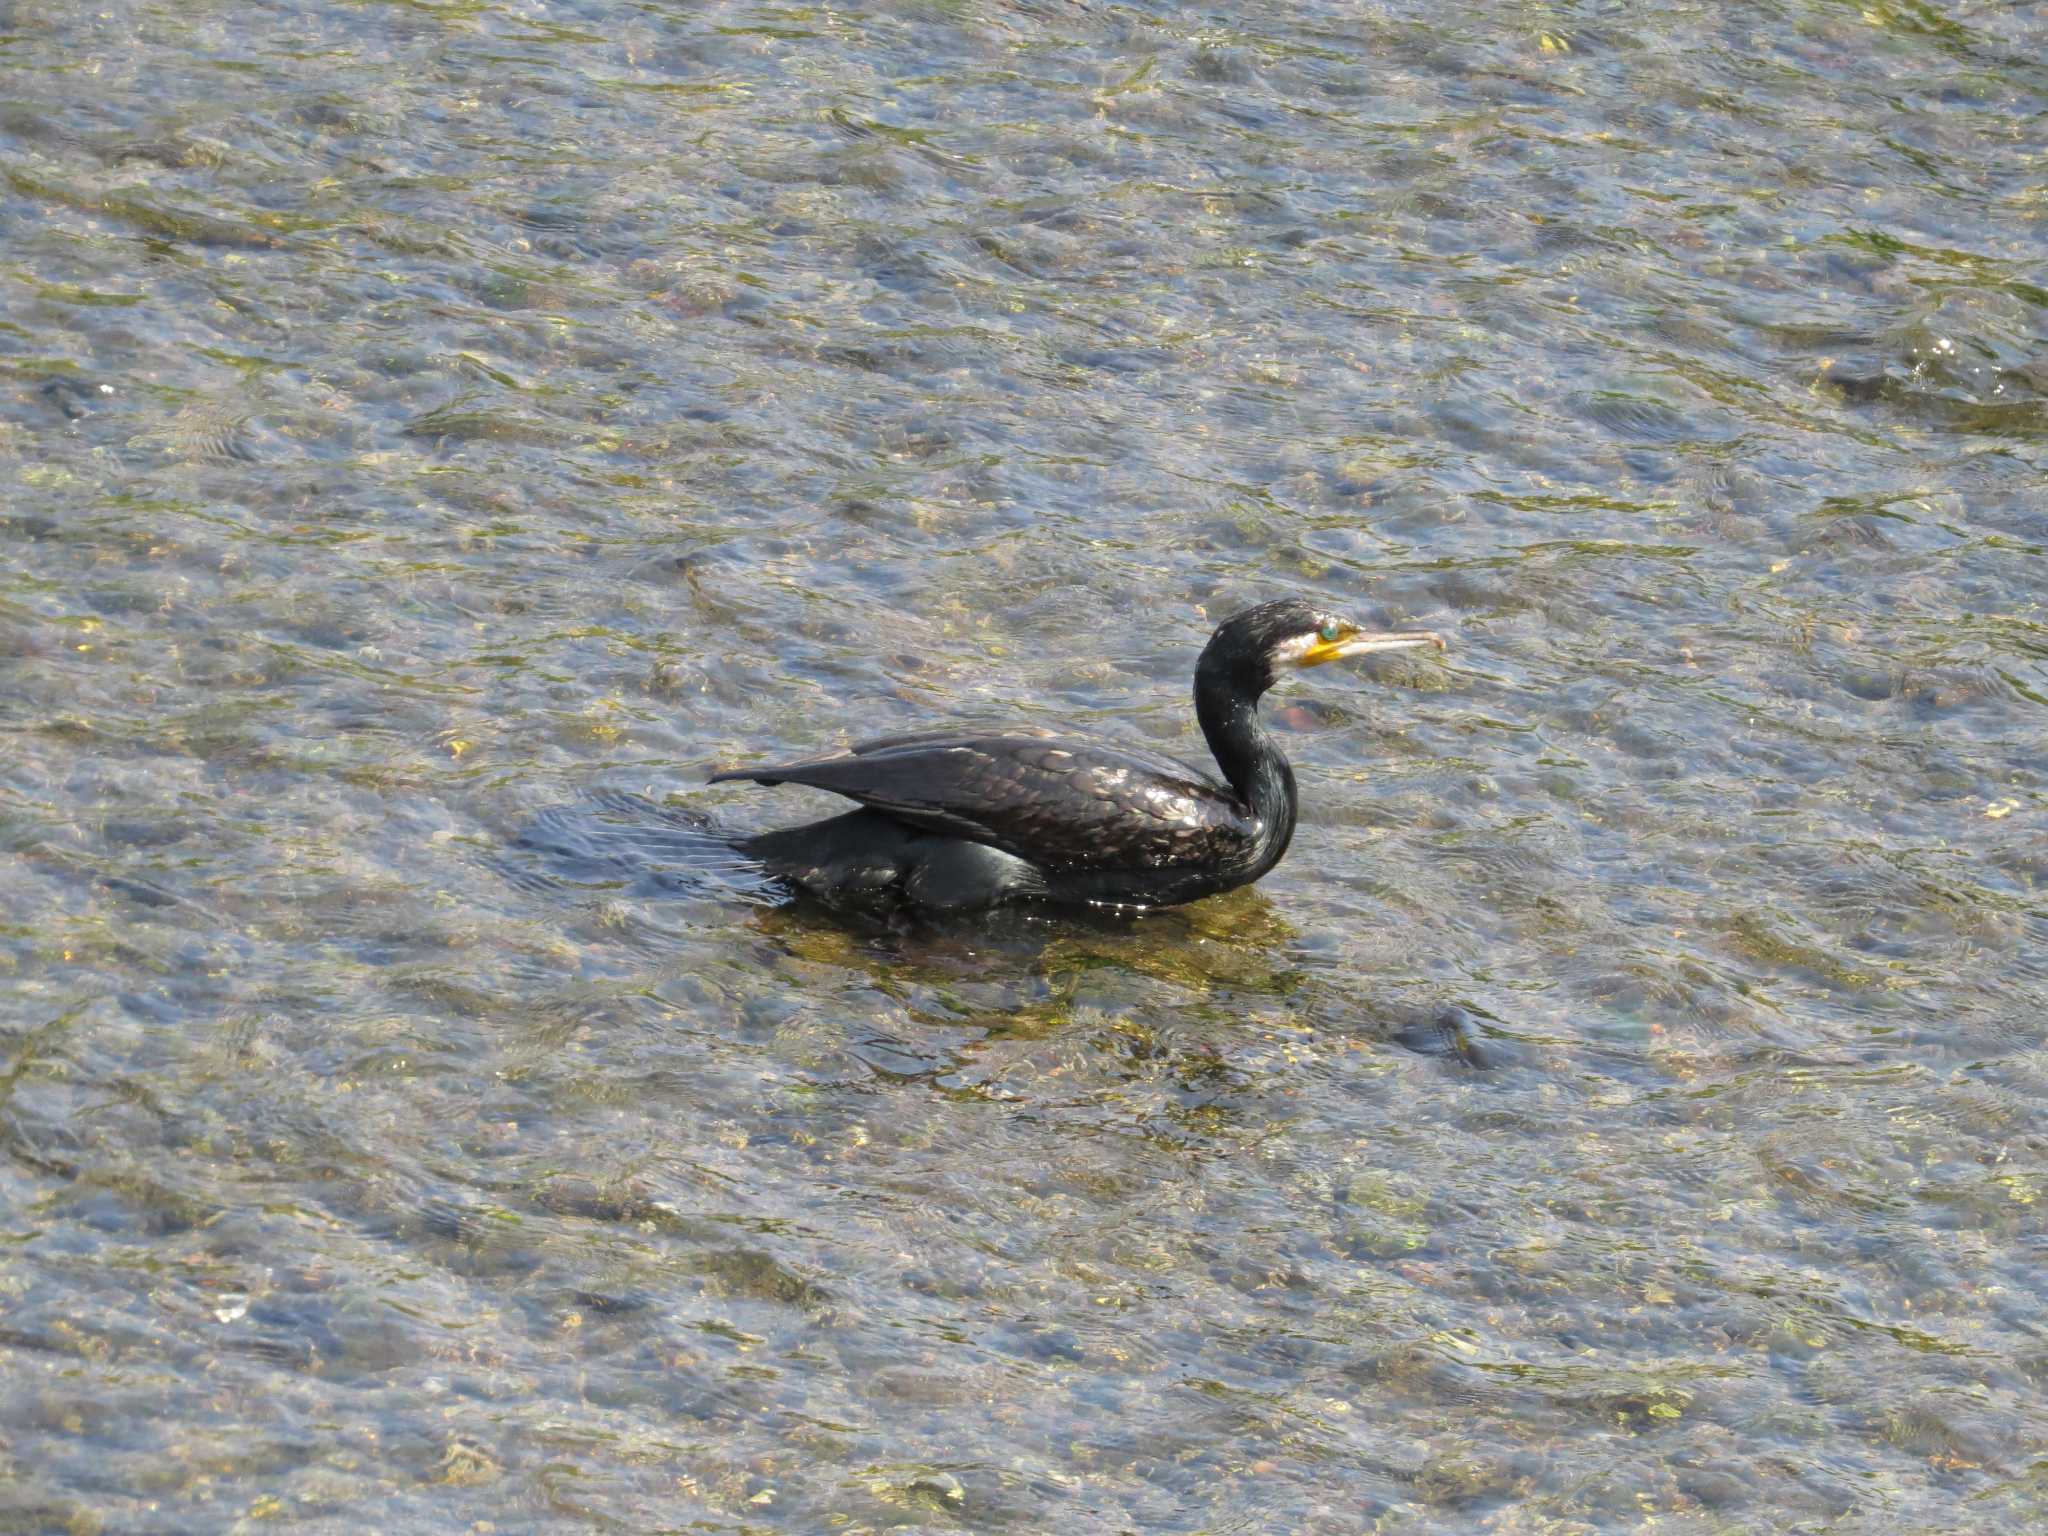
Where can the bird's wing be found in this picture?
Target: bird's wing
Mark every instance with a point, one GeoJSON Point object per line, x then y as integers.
{"type": "Point", "coordinates": [1055, 801]}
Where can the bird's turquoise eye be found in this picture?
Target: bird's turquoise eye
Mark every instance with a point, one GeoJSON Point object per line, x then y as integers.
{"type": "Point", "coordinates": [1328, 634]}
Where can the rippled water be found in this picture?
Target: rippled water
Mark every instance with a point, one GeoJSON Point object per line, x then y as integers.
{"type": "Point", "coordinates": [427, 422]}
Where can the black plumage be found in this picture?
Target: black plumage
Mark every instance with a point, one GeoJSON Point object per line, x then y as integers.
{"type": "Point", "coordinates": [964, 821]}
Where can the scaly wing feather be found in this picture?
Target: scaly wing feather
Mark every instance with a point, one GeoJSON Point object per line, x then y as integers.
{"type": "Point", "coordinates": [1056, 801]}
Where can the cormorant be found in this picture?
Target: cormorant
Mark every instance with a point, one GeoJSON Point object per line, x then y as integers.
{"type": "Point", "coordinates": [954, 823]}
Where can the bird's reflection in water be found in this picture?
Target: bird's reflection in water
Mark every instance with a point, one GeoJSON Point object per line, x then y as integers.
{"type": "Point", "coordinates": [1013, 970]}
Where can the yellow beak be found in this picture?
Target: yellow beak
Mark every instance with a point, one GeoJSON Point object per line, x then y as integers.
{"type": "Point", "coordinates": [1353, 641]}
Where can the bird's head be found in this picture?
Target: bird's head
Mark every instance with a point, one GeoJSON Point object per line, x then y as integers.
{"type": "Point", "coordinates": [1256, 648]}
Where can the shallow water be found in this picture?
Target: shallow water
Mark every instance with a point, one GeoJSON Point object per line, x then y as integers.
{"type": "Point", "coordinates": [431, 421]}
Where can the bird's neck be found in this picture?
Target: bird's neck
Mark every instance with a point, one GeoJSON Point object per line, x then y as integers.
{"type": "Point", "coordinates": [1251, 761]}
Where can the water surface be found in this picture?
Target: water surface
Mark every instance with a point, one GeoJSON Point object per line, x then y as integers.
{"type": "Point", "coordinates": [425, 418]}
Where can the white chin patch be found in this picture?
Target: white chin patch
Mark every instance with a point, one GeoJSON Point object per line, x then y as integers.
{"type": "Point", "coordinates": [1289, 652]}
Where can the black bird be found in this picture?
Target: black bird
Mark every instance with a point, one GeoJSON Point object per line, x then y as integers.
{"type": "Point", "coordinates": [955, 823]}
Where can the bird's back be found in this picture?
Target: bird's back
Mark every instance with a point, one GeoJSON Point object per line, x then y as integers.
{"type": "Point", "coordinates": [1061, 802]}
